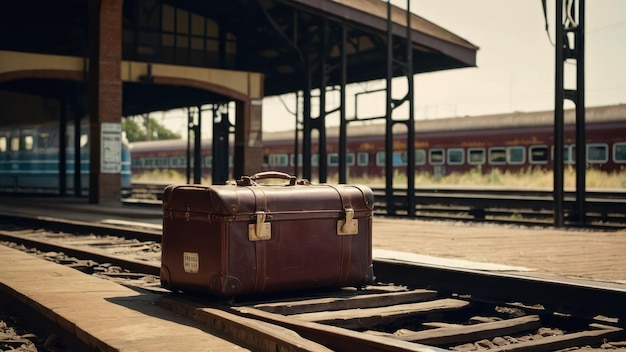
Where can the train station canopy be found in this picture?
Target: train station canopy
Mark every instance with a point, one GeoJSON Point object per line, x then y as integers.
{"type": "Point", "coordinates": [280, 39]}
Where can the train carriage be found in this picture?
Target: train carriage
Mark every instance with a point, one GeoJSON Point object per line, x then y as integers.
{"type": "Point", "coordinates": [29, 160]}
{"type": "Point", "coordinates": [506, 142]}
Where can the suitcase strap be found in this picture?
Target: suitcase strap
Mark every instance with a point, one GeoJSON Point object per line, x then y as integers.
{"type": "Point", "coordinates": [260, 230]}
{"type": "Point", "coordinates": [258, 233]}
{"type": "Point", "coordinates": [347, 226]}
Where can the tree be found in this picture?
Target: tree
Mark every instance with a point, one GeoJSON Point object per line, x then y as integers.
{"type": "Point", "coordinates": [136, 132]}
{"type": "Point", "coordinates": [158, 131]}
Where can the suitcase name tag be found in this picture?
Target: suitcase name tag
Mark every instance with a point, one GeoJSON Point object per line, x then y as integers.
{"type": "Point", "coordinates": [191, 262]}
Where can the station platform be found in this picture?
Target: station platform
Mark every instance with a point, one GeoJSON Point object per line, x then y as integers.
{"type": "Point", "coordinates": [104, 315]}
{"type": "Point", "coordinates": [594, 257]}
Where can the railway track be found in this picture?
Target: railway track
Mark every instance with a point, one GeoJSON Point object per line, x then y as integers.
{"type": "Point", "coordinates": [605, 208]}
{"type": "Point", "coordinates": [409, 307]}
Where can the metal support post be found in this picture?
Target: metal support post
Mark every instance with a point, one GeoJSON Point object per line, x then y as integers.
{"type": "Point", "coordinates": [581, 148]}
{"type": "Point", "coordinates": [320, 121]}
{"type": "Point", "coordinates": [63, 150]}
{"type": "Point", "coordinates": [197, 150]}
{"type": "Point", "coordinates": [78, 183]}
{"type": "Point", "coordinates": [410, 163]}
{"type": "Point", "coordinates": [559, 95]}
{"type": "Point", "coordinates": [306, 124]}
{"type": "Point", "coordinates": [343, 133]}
{"type": "Point", "coordinates": [563, 52]}
{"type": "Point", "coordinates": [221, 131]}
{"type": "Point", "coordinates": [388, 120]}
{"type": "Point", "coordinates": [189, 130]}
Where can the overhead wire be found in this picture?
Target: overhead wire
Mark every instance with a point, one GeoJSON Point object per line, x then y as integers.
{"type": "Point", "coordinates": [545, 16]}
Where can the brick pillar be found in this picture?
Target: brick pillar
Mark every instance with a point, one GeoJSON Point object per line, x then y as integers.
{"type": "Point", "coordinates": [105, 100]}
{"type": "Point", "coordinates": [248, 138]}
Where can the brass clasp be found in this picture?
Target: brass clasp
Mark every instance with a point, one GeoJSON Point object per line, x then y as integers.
{"type": "Point", "coordinates": [261, 230]}
{"type": "Point", "coordinates": [349, 225]}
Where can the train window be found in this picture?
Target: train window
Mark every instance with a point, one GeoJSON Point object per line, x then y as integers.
{"type": "Point", "coordinates": [569, 154]}
{"type": "Point", "coordinates": [515, 155]}
{"type": "Point", "coordinates": [619, 152]}
{"type": "Point", "coordinates": [208, 161]}
{"type": "Point", "coordinates": [399, 159]}
{"type": "Point", "coordinates": [497, 156]}
{"type": "Point", "coordinates": [138, 163]}
{"type": "Point", "coordinates": [538, 154]}
{"type": "Point", "coordinates": [42, 140]}
{"type": "Point", "coordinates": [292, 161]}
{"type": "Point", "coordinates": [29, 142]}
{"type": "Point", "coordinates": [350, 159]}
{"type": "Point", "coordinates": [363, 158]}
{"type": "Point", "coordinates": [15, 144]}
{"type": "Point", "coordinates": [177, 162]}
{"type": "Point", "coordinates": [84, 139]}
{"type": "Point", "coordinates": [436, 156]}
{"type": "Point", "coordinates": [278, 160]}
{"type": "Point", "coordinates": [455, 156]}
{"type": "Point", "coordinates": [266, 160]}
{"type": "Point", "coordinates": [380, 159]}
{"type": "Point", "coordinates": [420, 156]}
{"type": "Point", "coordinates": [333, 159]}
{"type": "Point", "coordinates": [147, 162]}
{"type": "Point", "coordinates": [476, 156]}
{"type": "Point", "coordinates": [3, 144]}
{"type": "Point", "coordinates": [315, 160]}
{"type": "Point", "coordinates": [597, 153]}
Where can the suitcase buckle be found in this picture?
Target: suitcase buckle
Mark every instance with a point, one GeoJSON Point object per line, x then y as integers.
{"type": "Point", "coordinates": [349, 225]}
{"type": "Point", "coordinates": [261, 230]}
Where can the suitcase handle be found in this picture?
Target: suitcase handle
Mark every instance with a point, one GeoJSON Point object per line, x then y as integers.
{"type": "Point", "coordinates": [251, 180]}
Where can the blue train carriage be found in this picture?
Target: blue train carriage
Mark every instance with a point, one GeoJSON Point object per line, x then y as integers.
{"type": "Point", "coordinates": [29, 160]}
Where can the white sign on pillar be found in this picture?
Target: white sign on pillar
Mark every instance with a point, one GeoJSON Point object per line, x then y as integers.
{"type": "Point", "coordinates": [111, 148]}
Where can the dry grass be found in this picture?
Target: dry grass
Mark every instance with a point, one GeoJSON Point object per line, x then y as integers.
{"type": "Point", "coordinates": [530, 178]}
{"type": "Point", "coordinates": [165, 176]}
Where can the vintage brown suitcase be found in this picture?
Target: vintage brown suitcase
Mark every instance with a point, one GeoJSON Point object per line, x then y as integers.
{"type": "Point", "coordinates": [250, 239]}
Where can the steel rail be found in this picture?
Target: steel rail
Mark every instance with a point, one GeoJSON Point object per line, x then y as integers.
{"type": "Point", "coordinates": [70, 226]}
{"type": "Point", "coordinates": [605, 208]}
{"type": "Point", "coordinates": [555, 295]}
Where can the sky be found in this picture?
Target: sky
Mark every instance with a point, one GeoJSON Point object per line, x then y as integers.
{"type": "Point", "coordinates": [515, 63]}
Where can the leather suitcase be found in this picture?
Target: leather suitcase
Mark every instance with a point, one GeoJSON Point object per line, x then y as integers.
{"type": "Point", "coordinates": [250, 239]}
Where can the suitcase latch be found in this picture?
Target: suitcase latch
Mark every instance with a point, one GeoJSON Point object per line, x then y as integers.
{"type": "Point", "coordinates": [261, 230]}
{"type": "Point", "coordinates": [349, 225]}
